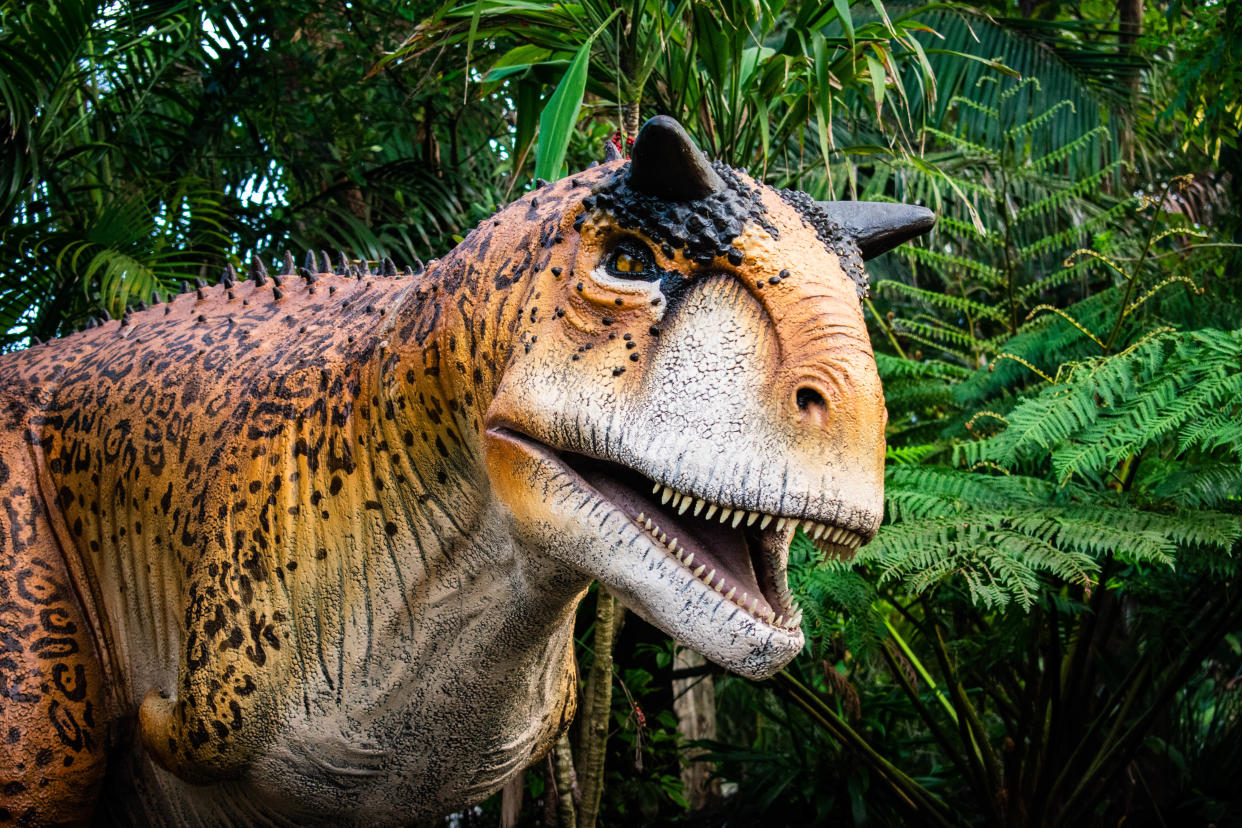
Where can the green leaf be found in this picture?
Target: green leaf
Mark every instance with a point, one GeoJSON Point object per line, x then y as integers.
{"type": "Point", "coordinates": [556, 122]}
{"type": "Point", "coordinates": [847, 22]}
{"type": "Point", "coordinates": [878, 77]}
{"type": "Point", "coordinates": [518, 60]}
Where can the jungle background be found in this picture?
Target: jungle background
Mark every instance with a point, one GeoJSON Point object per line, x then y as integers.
{"type": "Point", "coordinates": [1048, 629]}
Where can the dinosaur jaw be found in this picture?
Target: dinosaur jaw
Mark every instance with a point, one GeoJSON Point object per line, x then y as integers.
{"type": "Point", "coordinates": [745, 564]}
{"type": "Point", "coordinates": [710, 576]}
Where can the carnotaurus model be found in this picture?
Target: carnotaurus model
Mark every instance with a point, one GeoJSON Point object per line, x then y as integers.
{"type": "Point", "coordinates": [308, 548]}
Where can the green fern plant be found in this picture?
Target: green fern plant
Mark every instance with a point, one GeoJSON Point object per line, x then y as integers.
{"type": "Point", "coordinates": [1064, 491]}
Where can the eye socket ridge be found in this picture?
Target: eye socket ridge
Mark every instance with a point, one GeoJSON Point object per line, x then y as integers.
{"type": "Point", "coordinates": [631, 259]}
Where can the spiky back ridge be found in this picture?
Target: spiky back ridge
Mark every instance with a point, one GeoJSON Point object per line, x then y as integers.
{"type": "Point", "coordinates": [314, 266]}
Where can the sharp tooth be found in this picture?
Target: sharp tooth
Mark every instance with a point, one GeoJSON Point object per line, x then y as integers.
{"type": "Point", "coordinates": [711, 510]}
{"type": "Point", "coordinates": [837, 535]}
{"type": "Point", "coordinates": [780, 524]}
{"type": "Point", "coordinates": [751, 517]}
{"type": "Point", "coordinates": [689, 559]}
{"type": "Point", "coordinates": [718, 587]}
{"type": "Point", "coordinates": [685, 504]}
{"type": "Point", "coordinates": [763, 524]}
{"type": "Point", "coordinates": [672, 545]}
{"type": "Point", "coordinates": [737, 518]}
{"type": "Point", "coordinates": [742, 601]}
{"type": "Point", "coordinates": [663, 538]}
{"type": "Point", "coordinates": [647, 523]}
{"type": "Point", "coordinates": [678, 554]}
{"type": "Point", "coordinates": [724, 514]}
{"type": "Point", "coordinates": [819, 531]}
{"type": "Point", "coordinates": [710, 576]}
{"type": "Point", "coordinates": [808, 526]}
{"type": "Point", "coordinates": [699, 570]}
{"type": "Point", "coordinates": [642, 516]}
{"type": "Point", "coordinates": [676, 499]}
{"type": "Point", "coordinates": [754, 604]}
{"type": "Point", "coordinates": [655, 489]}
{"type": "Point", "coordinates": [729, 595]}
{"type": "Point", "coordinates": [778, 620]}
{"type": "Point", "coordinates": [699, 503]}
{"type": "Point", "coordinates": [664, 497]}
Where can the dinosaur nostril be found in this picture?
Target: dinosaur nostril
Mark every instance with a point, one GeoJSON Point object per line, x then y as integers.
{"type": "Point", "coordinates": [807, 397]}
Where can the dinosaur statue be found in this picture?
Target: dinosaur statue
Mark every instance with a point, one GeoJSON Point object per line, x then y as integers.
{"type": "Point", "coordinates": [306, 548]}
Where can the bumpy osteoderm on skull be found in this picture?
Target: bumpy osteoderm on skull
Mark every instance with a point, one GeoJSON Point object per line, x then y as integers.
{"type": "Point", "coordinates": [321, 533]}
{"type": "Point", "coordinates": [703, 229]}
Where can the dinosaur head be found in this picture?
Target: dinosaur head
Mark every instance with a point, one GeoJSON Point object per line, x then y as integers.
{"type": "Point", "coordinates": [691, 380]}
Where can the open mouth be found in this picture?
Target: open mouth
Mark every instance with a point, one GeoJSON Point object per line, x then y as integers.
{"type": "Point", "coordinates": [740, 554]}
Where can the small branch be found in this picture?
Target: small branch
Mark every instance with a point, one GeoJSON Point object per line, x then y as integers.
{"type": "Point", "coordinates": [593, 738]}
{"type": "Point", "coordinates": [563, 779]}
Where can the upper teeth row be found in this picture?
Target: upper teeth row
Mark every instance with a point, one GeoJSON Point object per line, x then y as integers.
{"type": "Point", "coordinates": [816, 531]}
{"type": "Point", "coordinates": [790, 622]}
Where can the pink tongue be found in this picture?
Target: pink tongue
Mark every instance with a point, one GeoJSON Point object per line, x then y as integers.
{"type": "Point", "coordinates": [715, 545]}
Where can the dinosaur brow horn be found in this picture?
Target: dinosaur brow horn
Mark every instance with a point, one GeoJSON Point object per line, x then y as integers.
{"type": "Point", "coordinates": [879, 226]}
{"type": "Point", "coordinates": [666, 164]}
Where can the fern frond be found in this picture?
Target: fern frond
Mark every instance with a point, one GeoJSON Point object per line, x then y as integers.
{"type": "Point", "coordinates": [943, 300]}
{"type": "Point", "coordinates": [950, 224]}
{"type": "Point", "coordinates": [892, 368]}
{"type": "Point", "coordinates": [1066, 237]}
{"type": "Point", "coordinates": [1035, 310]}
{"type": "Point", "coordinates": [990, 111]}
{"type": "Point", "coordinates": [947, 261]}
{"type": "Point", "coordinates": [1159, 286]}
{"type": "Point", "coordinates": [1221, 431]}
{"type": "Point", "coordinates": [962, 144]}
{"type": "Point", "coordinates": [1080, 188]}
{"type": "Point", "coordinates": [1031, 124]}
{"type": "Point", "coordinates": [1066, 150]}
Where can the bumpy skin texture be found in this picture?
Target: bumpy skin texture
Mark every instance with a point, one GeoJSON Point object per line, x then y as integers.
{"type": "Point", "coordinates": [310, 552]}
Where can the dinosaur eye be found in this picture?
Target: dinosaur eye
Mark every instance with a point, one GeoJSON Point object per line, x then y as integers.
{"type": "Point", "coordinates": [631, 260]}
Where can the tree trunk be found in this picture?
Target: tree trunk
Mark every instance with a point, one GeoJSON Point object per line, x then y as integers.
{"type": "Point", "coordinates": [511, 801]}
{"type": "Point", "coordinates": [629, 124]}
{"type": "Point", "coordinates": [1130, 26]}
{"type": "Point", "coordinates": [694, 701]}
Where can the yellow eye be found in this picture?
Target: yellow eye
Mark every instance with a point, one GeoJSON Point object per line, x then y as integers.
{"type": "Point", "coordinates": [632, 260]}
{"type": "Point", "coordinates": [625, 263]}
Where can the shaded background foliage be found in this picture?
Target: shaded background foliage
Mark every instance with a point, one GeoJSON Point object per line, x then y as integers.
{"type": "Point", "coordinates": [1048, 629]}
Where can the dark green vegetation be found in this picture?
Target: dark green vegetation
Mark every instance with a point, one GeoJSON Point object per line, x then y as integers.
{"type": "Point", "coordinates": [1048, 631]}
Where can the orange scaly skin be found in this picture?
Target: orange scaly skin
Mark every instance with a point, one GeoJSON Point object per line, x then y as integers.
{"type": "Point", "coordinates": [316, 558]}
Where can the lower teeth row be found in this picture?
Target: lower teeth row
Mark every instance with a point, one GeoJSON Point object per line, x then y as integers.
{"type": "Point", "coordinates": [792, 621]}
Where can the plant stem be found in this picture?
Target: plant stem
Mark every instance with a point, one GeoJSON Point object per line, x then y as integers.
{"type": "Point", "coordinates": [594, 734]}
{"type": "Point", "coordinates": [1134, 275]}
{"type": "Point", "coordinates": [563, 768]}
{"type": "Point", "coordinates": [926, 804]}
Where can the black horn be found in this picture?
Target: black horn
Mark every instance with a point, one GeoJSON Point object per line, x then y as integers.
{"type": "Point", "coordinates": [879, 226]}
{"type": "Point", "coordinates": [666, 164]}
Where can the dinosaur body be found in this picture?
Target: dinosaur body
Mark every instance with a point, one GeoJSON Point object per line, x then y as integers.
{"type": "Point", "coordinates": [308, 548]}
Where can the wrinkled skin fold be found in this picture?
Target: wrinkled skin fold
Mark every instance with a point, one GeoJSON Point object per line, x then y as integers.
{"type": "Point", "coordinates": [306, 548]}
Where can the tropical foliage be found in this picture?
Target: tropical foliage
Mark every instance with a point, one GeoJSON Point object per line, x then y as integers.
{"type": "Point", "coordinates": [1048, 629]}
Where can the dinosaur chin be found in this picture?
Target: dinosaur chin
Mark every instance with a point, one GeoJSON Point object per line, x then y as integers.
{"type": "Point", "coordinates": [710, 575]}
